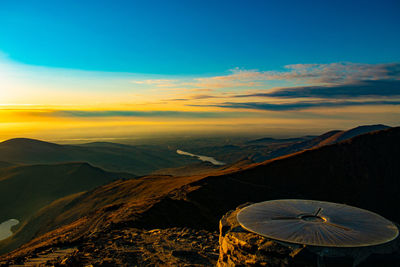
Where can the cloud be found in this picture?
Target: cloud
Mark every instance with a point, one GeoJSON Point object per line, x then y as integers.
{"type": "Point", "coordinates": [371, 88]}
{"type": "Point", "coordinates": [297, 105]}
{"type": "Point", "coordinates": [157, 82]}
{"type": "Point", "coordinates": [203, 96]}
{"type": "Point", "coordinates": [333, 73]}
{"type": "Point", "coordinates": [296, 74]}
{"type": "Point", "coordinates": [342, 72]}
{"type": "Point", "coordinates": [195, 97]}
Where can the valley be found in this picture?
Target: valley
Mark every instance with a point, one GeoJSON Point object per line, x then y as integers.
{"type": "Point", "coordinates": [93, 201]}
{"type": "Point", "coordinates": [135, 133]}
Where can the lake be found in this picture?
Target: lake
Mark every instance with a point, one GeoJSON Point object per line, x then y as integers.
{"type": "Point", "coordinates": [202, 158]}
{"type": "Point", "coordinates": [5, 228]}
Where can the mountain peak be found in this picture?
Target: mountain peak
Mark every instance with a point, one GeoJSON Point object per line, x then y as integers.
{"type": "Point", "coordinates": [361, 130]}
{"type": "Point", "coordinates": [371, 127]}
{"type": "Point", "coordinates": [26, 141]}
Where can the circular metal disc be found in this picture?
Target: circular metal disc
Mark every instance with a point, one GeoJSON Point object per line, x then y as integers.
{"type": "Point", "coordinates": [317, 223]}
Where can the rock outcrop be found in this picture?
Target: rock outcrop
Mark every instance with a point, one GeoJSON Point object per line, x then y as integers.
{"type": "Point", "coordinates": [239, 247]}
{"type": "Point", "coordinates": [361, 172]}
{"type": "Point", "coordinates": [128, 247]}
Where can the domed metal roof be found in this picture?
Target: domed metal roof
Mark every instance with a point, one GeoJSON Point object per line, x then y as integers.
{"type": "Point", "coordinates": [317, 223]}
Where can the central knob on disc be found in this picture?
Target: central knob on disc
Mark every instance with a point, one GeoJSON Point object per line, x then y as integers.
{"type": "Point", "coordinates": [312, 218]}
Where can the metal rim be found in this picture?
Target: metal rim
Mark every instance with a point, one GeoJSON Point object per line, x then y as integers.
{"type": "Point", "coordinates": [317, 223]}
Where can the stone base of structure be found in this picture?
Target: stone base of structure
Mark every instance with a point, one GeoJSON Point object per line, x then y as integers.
{"type": "Point", "coordinates": [239, 247]}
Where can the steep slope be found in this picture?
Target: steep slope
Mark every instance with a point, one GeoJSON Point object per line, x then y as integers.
{"type": "Point", "coordinates": [361, 130]}
{"type": "Point", "coordinates": [267, 148]}
{"type": "Point", "coordinates": [92, 209]}
{"type": "Point", "coordinates": [138, 160]}
{"type": "Point", "coordinates": [363, 172]}
{"type": "Point", "coordinates": [328, 138]}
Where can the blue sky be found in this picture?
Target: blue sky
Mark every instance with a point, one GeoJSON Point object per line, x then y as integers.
{"type": "Point", "coordinates": [197, 37]}
{"type": "Point", "coordinates": [90, 68]}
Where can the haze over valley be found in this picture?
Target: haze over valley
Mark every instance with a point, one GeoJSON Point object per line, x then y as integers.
{"type": "Point", "coordinates": [44, 182]}
{"type": "Point", "coordinates": [135, 133]}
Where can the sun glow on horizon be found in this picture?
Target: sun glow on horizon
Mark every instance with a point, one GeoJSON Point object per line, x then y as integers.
{"type": "Point", "coordinates": [72, 104]}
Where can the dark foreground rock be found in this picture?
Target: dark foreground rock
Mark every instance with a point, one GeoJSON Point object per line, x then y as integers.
{"type": "Point", "coordinates": [131, 247]}
{"type": "Point", "coordinates": [239, 247]}
{"type": "Point", "coordinates": [100, 224]}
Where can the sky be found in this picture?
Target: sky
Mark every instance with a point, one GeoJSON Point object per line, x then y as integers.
{"type": "Point", "coordinates": [73, 70]}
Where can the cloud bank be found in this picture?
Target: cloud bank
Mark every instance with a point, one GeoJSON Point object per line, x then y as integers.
{"type": "Point", "coordinates": [369, 88]}
{"type": "Point", "coordinates": [333, 73]}
{"type": "Point", "coordinates": [328, 85]}
{"type": "Point", "coordinates": [300, 105]}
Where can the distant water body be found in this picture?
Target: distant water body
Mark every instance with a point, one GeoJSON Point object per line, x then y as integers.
{"type": "Point", "coordinates": [5, 228]}
{"type": "Point", "coordinates": [202, 158]}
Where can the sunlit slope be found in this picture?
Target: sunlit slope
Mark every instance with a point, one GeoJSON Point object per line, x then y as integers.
{"type": "Point", "coordinates": [138, 160]}
{"type": "Point", "coordinates": [362, 171]}
{"type": "Point", "coordinates": [93, 209]}
{"type": "Point", "coordinates": [133, 195]}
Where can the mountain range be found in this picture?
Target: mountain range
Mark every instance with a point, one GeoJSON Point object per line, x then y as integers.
{"type": "Point", "coordinates": [362, 171]}
{"type": "Point", "coordinates": [138, 160]}
{"type": "Point", "coordinates": [263, 149]}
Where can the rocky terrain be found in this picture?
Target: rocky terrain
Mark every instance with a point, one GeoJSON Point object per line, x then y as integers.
{"type": "Point", "coordinates": [362, 172]}
{"type": "Point", "coordinates": [238, 247]}
{"type": "Point", "coordinates": [130, 247]}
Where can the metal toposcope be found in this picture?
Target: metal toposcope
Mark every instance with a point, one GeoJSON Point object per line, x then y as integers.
{"type": "Point", "coordinates": [317, 223]}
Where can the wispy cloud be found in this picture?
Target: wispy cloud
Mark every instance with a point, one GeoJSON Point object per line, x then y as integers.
{"type": "Point", "coordinates": [333, 73]}
{"type": "Point", "coordinates": [196, 97]}
{"type": "Point", "coordinates": [331, 85]}
{"type": "Point", "coordinates": [341, 72]}
{"type": "Point", "coordinates": [157, 82]}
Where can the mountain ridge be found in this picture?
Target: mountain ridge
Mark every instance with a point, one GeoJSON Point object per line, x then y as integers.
{"type": "Point", "coordinates": [138, 160]}
{"type": "Point", "coordinates": [327, 138]}
{"type": "Point", "coordinates": [146, 159]}
{"type": "Point", "coordinates": [26, 189]}
{"type": "Point", "coordinates": [351, 172]}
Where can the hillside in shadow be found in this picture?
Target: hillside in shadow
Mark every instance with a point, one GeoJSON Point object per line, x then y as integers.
{"type": "Point", "coordinates": [138, 160]}
{"type": "Point", "coordinates": [362, 171]}
{"type": "Point", "coordinates": [262, 149]}
{"type": "Point", "coordinates": [25, 190]}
